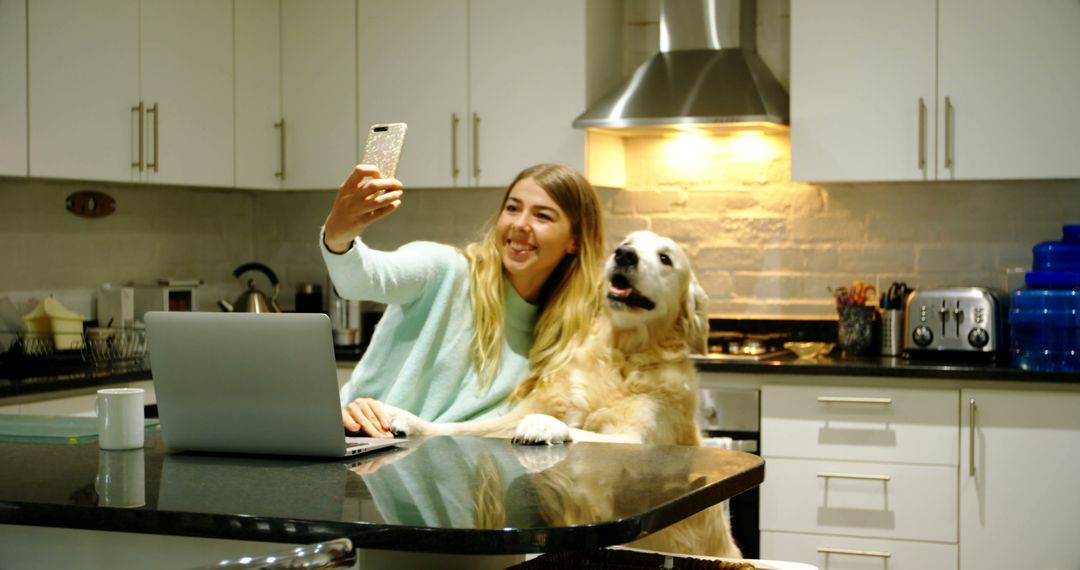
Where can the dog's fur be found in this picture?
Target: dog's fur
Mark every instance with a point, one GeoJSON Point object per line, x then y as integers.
{"type": "Point", "coordinates": [631, 381]}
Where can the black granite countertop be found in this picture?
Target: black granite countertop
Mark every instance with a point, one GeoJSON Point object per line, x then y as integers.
{"type": "Point", "coordinates": [460, 495]}
{"type": "Point", "coordinates": [835, 365]}
{"type": "Point", "coordinates": [888, 367]}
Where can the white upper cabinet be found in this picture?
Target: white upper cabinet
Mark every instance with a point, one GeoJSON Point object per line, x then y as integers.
{"type": "Point", "coordinates": [488, 87]}
{"type": "Point", "coordinates": [13, 87]}
{"type": "Point", "coordinates": [526, 85]}
{"type": "Point", "coordinates": [934, 90]}
{"type": "Point", "coordinates": [187, 81]}
{"type": "Point", "coordinates": [130, 91]}
{"type": "Point", "coordinates": [1010, 72]}
{"type": "Point", "coordinates": [83, 84]}
{"type": "Point", "coordinates": [1018, 474]}
{"type": "Point", "coordinates": [859, 71]}
{"type": "Point", "coordinates": [318, 97]}
{"type": "Point", "coordinates": [260, 144]}
{"type": "Point", "coordinates": [413, 68]}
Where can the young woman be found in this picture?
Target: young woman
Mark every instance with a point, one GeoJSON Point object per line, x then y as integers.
{"type": "Point", "coordinates": [463, 328]}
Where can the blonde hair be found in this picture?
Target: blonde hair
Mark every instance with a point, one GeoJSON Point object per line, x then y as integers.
{"type": "Point", "coordinates": [569, 298]}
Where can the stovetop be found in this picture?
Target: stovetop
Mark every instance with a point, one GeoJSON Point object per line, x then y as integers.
{"type": "Point", "coordinates": [762, 339]}
{"type": "Point", "coordinates": [739, 346]}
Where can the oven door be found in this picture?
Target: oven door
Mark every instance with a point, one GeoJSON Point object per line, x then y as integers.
{"type": "Point", "coordinates": [730, 418]}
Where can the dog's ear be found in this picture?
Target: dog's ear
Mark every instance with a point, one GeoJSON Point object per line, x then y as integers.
{"type": "Point", "coordinates": [696, 314]}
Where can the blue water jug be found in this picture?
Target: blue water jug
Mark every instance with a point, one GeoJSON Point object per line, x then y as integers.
{"type": "Point", "coordinates": [1044, 317]}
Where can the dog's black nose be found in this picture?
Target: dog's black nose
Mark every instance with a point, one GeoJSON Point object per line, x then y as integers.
{"type": "Point", "coordinates": [626, 257]}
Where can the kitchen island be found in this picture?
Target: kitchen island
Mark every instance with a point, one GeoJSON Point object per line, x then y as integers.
{"type": "Point", "coordinates": [457, 497]}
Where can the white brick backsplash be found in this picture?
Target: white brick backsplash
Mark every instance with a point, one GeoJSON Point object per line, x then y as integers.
{"type": "Point", "coordinates": [872, 257]}
{"type": "Point", "coordinates": [829, 229]}
{"type": "Point", "coordinates": [814, 258]}
{"type": "Point", "coordinates": [954, 257]}
{"type": "Point", "coordinates": [760, 244]}
{"type": "Point", "coordinates": [718, 285]}
{"type": "Point", "coordinates": [720, 201]}
{"type": "Point", "coordinates": [765, 285]}
{"type": "Point", "coordinates": [731, 258]}
{"type": "Point", "coordinates": [617, 227]}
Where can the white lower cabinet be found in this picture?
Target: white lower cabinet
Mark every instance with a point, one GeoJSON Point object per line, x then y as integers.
{"type": "Point", "coordinates": [887, 500]}
{"type": "Point", "coordinates": [850, 553]}
{"type": "Point", "coordinates": [860, 477]}
{"type": "Point", "coordinates": [1018, 482]}
{"type": "Point", "coordinates": [863, 477]}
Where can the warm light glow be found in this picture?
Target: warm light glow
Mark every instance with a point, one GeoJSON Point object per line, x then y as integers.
{"type": "Point", "coordinates": [689, 153]}
{"type": "Point", "coordinates": [690, 156]}
{"type": "Point", "coordinates": [747, 147]}
{"type": "Point", "coordinates": [692, 129]}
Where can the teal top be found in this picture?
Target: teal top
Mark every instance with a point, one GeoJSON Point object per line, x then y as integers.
{"type": "Point", "coordinates": [420, 357]}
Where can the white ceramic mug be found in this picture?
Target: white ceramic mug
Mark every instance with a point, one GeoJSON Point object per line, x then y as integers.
{"type": "Point", "coordinates": [121, 478]}
{"type": "Point", "coordinates": [120, 418]}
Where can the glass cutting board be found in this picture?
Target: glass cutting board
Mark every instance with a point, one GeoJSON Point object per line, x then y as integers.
{"type": "Point", "coordinates": [52, 429]}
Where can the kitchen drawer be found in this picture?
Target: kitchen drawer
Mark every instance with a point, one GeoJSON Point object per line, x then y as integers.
{"type": "Point", "coordinates": [869, 553]}
{"type": "Point", "coordinates": [886, 500]}
{"type": "Point", "coordinates": [861, 424]}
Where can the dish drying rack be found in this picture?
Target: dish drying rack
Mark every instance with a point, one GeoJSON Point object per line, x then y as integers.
{"type": "Point", "coordinates": [99, 347]}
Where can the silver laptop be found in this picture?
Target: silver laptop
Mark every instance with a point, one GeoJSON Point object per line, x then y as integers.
{"type": "Point", "coordinates": [249, 383]}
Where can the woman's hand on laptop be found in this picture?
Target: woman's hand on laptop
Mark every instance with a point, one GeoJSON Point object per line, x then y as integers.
{"type": "Point", "coordinates": [365, 415]}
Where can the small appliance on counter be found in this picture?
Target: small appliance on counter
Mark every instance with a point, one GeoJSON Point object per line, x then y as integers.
{"type": "Point", "coordinates": [309, 298]}
{"type": "Point", "coordinates": [1045, 314]}
{"type": "Point", "coordinates": [165, 295]}
{"type": "Point", "coordinates": [956, 321]}
{"type": "Point", "coordinates": [346, 320]}
{"type": "Point", "coordinates": [116, 305]}
{"type": "Point", "coordinates": [252, 300]}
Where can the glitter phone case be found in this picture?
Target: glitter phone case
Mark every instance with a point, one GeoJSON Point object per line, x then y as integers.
{"type": "Point", "coordinates": [383, 147]}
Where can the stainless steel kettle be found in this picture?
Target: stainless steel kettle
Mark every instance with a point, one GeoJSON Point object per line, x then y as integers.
{"type": "Point", "coordinates": [252, 300]}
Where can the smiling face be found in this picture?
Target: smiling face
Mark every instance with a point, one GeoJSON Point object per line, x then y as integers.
{"type": "Point", "coordinates": [535, 234]}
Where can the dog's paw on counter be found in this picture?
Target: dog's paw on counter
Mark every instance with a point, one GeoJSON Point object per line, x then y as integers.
{"type": "Point", "coordinates": [402, 423]}
{"type": "Point", "coordinates": [541, 429]}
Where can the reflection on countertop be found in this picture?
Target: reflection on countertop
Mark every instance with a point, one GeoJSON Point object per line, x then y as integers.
{"type": "Point", "coordinates": [461, 495]}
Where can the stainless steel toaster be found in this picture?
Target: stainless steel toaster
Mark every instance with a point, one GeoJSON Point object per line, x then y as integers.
{"type": "Point", "coordinates": [959, 319]}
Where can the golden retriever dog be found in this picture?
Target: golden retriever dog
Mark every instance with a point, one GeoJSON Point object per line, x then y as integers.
{"type": "Point", "coordinates": [631, 381]}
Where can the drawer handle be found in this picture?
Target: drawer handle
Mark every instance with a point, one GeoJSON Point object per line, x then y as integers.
{"type": "Point", "coordinates": [850, 400]}
{"type": "Point", "coordinates": [845, 551]}
{"type": "Point", "coordinates": [854, 476]}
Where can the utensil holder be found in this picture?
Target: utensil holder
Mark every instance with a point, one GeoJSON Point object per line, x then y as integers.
{"type": "Point", "coordinates": [892, 332]}
{"type": "Point", "coordinates": [856, 329]}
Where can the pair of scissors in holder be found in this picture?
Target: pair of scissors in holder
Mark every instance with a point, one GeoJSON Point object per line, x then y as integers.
{"type": "Point", "coordinates": [895, 295]}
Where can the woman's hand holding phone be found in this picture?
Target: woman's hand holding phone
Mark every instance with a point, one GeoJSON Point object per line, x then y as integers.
{"type": "Point", "coordinates": [363, 198]}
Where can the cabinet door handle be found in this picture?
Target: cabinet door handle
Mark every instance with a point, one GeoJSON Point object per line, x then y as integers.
{"type": "Point", "coordinates": [476, 145]}
{"type": "Point", "coordinates": [971, 437]}
{"type": "Point", "coordinates": [280, 125]}
{"type": "Point", "coordinates": [948, 133]}
{"type": "Point", "coordinates": [454, 120]}
{"type": "Point", "coordinates": [154, 110]}
{"type": "Point", "coordinates": [922, 134]}
{"type": "Point", "coordinates": [847, 552]}
{"type": "Point", "coordinates": [854, 476]}
{"type": "Point", "coordinates": [139, 109]}
{"type": "Point", "coordinates": [852, 400]}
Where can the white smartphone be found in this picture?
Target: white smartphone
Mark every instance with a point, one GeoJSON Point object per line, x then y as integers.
{"type": "Point", "coordinates": [383, 147]}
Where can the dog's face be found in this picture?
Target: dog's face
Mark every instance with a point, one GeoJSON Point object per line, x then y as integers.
{"type": "Point", "coordinates": [650, 281]}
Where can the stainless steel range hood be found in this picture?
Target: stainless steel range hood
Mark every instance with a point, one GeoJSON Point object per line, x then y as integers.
{"type": "Point", "coordinates": [707, 75]}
